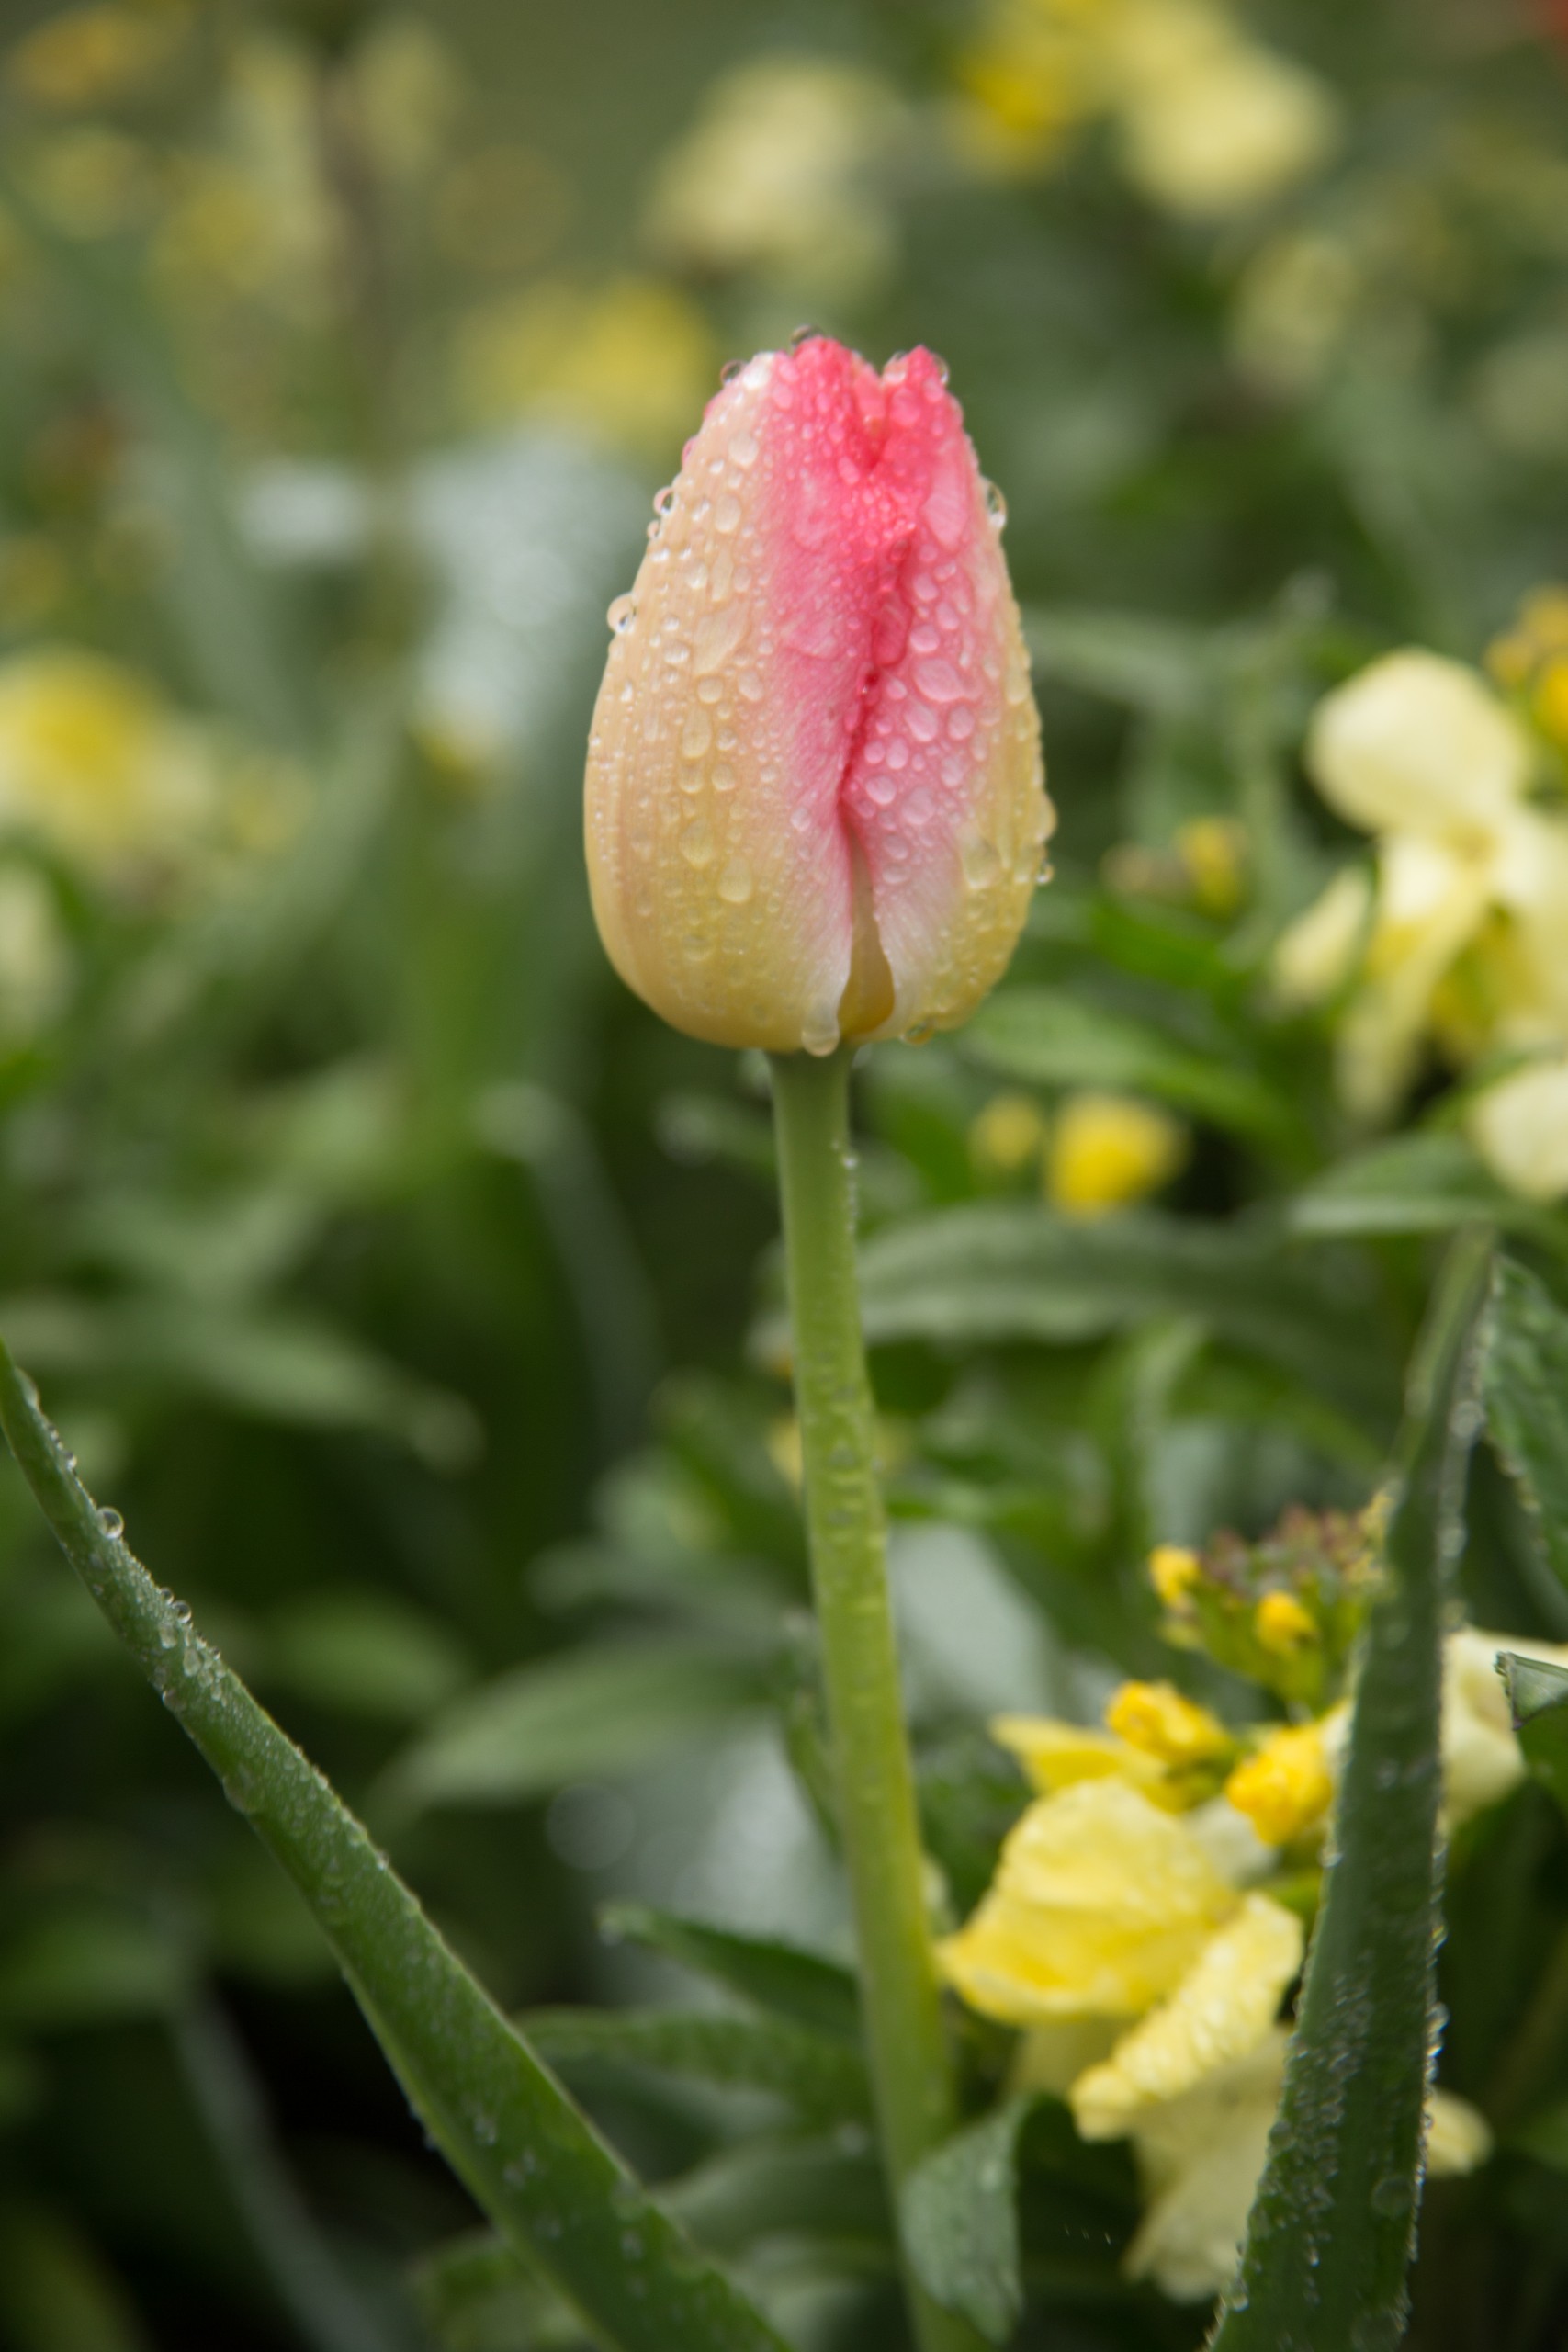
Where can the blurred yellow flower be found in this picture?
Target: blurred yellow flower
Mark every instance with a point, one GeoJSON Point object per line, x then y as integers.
{"type": "Point", "coordinates": [1520, 1125]}
{"type": "Point", "coordinates": [1053, 1755]}
{"type": "Point", "coordinates": [1007, 1136]}
{"type": "Point", "coordinates": [92, 761]}
{"type": "Point", "coordinates": [1286, 1786]}
{"type": "Point", "coordinates": [1281, 1623]}
{"type": "Point", "coordinates": [1200, 2157]}
{"type": "Point", "coordinates": [94, 56]}
{"type": "Point", "coordinates": [1419, 750]}
{"type": "Point", "coordinates": [1108, 1150]}
{"type": "Point", "coordinates": [1154, 1718]}
{"type": "Point", "coordinates": [633, 362]}
{"type": "Point", "coordinates": [785, 174]}
{"type": "Point", "coordinates": [93, 183]}
{"type": "Point", "coordinates": [1101, 1905]}
{"type": "Point", "coordinates": [1174, 1570]}
{"type": "Point", "coordinates": [1209, 122]}
{"type": "Point", "coordinates": [1482, 1761]}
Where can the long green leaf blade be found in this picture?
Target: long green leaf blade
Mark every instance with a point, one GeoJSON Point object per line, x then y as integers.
{"type": "Point", "coordinates": [1332, 2229]}
{"type": "Point", "coordinates": [514, 2137]}
{"type": "Point", "coordinates": [1527, 1404]}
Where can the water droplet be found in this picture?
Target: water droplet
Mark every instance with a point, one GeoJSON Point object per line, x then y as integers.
{"type": "Point", "coordinates": [939, 681]}
{"type": "Point", "coordinates": [622, 614]}
{"type": "Point", "coordinates": [697, 844]}
{"type": "Point", "coordinates": [961, 721]}
{"type": "Point", "coordinates": [805, 334]}
{"type": "Point", "coordinates": [920, 722]}
{"type": "Point", "coordinates": [696, 734]}
{"type": "Point", "coordinates": [717, 635]}
{"type": "Point", "coordinates": [898, 755]}
{"type": "Point", "coordinates": [743, 448]}
{"type": "Point", "coordinates": [996, 506]}
{"type": "Point", "coordinates": [736, 884]}
{"type": "Point", "coordinates": [750, 683]}
{"type": "Point", "coordinates": [730, 369]}
{"type": "Point", "coordinates": [981, 861]}
{"type": "Point", "coordinates": [819, 1033]}
{"type": "Point", "coordinates": [723, 776]}
{"type": "Point", "coordinates": [110, 1520]}
{"type": "Point", "coordinates": [1046, 873]}
{"type": "Point", "coordinates": [727, 514]}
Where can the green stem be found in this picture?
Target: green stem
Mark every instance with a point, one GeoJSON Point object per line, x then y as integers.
{"type": "Point", "coordinates": [910, 2068]}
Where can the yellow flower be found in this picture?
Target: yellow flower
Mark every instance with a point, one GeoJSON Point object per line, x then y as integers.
{"type": "Point", "coordinates": [1481, 1756]}
{"type": "Point", "coordinates": [1219, 2011]}
{"type": "Point", "coordinates": [1008, 1135]}
{"type": "Point", "coordinates": [1421, 752]}
{"type": "Point", "coordinates": [1154, 1718]}
{"type": "Point", "coordinates": [1174, 1570]}
{"type": "Point", "coordinates": [632, 363]}
{"type": "Point", "coordinates": [1106, 1151]}
{"type": "Point", "coordinates": [1281, 1625]}
{"type": "Point", "coordinates": [1053, 1755]}
{"type": "Point", "coordinates": [1286, 1786]}
{"type": "Point", "coordinates": [1101, 1905]}
{"type": "Point", "coordinates": [1520, 1125]}
{"type": "Point", "coordinates": [784, 174]}
{"type": "Point", "coordinates": [1315, 955]}
{"type": "Point", "coordinates": [1213, 124]}
{"type": "Point", "coordinates": [92, 761]}
{"type": "Point", "coordinates": [1200, 2157]}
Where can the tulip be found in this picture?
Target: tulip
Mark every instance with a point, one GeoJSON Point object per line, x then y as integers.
{"type": "Point", "coordinates": [816, 806]}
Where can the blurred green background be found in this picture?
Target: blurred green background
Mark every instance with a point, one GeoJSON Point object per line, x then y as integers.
{"type": "Point", "coordinates": [405, 1285]}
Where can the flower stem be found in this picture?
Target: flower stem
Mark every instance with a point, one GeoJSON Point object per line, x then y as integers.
{"type": "Point", "coordinates": [910, 2068]}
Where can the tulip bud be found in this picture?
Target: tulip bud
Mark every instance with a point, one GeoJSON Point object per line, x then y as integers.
{"type": "Point", "coordinates": [816, 805]}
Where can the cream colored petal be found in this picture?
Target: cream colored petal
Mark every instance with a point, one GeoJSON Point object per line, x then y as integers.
{"type": "Point", "coordinates": [1228, 131]}
{"type": "Point", "coordinates": [1458, 2138]}
{"type": "Point", "coordinates": [1220, 2012]}
{"type": "Point", "coordinates": [1051, 2057]}
{"type": "Point", "coordinates": [1432, 898]}
{"type": "Point", "coordinates": [1480, 1757]}
{"type": "Point", "coordinates": [1102, 1904]}
{"type": "Point", "coordinates": [1520, 1128]}
{"type": "Point", "coordinates": [1417, 743]}
{"type": "Point", "coordinates": [1318, 952]}
{"type": "Point", "coordinates": [1054, 1754]}
{"type": "Point", "coordinates": [1200, 2157]}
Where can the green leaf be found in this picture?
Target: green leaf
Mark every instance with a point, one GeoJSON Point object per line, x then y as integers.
{"type": "Point", "coordinates": [1048, 1039]}
{"type": "Point", "coordinates": [522, 2150]}
{"type": "Point", "coordinates": [587, 1714]}
{"type": "Point", "coordinates": [1527, 1404]}
{"type": "Point", "coordinates": [1332, 2227]}
{"type": "Point", "coordinates": [474, 2295]}
{"type": "Point", "coordinates": [784, 1978]}
{"type": "Point", "coordinates": [1538, 1701]}
{"type": "Point", "coordinates": [1545, 2137]}
{"type": "Point", "coordinates": [1422, 1184]}
{"type": "Point", "coordinates": [365, 1652]}
{"type": "Point", "coordinates": [817, 2073]}
{"type": "Point", "coordinates": [57, 2293]}
{"type": "Point", "coordinates": [1006, 1270]}
{"type": "Point", "coordinates": [960, 2218]}
{"type": "Point", "coordinates": [86, 1963]}
{"type": "Point", "coordinates": [1156, 665]}
{"type": "Point", "coordinates": [821, 2189]}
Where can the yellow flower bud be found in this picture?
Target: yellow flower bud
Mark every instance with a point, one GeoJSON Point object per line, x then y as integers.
{"type": "Point", "coordinates": [815, 796]}
{"type": "Point", "coordinates": [1154, 1717]}
{"type": "Point", "coordinates": [1106, 1151]}
{"type": "Point", "coordinates": [1281, 1625]}
{"type": "Point", "coordinates": [1174, 1570]}
{"type": "Point", "coordinates": [1213, 851]}
{"type": "Point", "coordinates": [1286, 1786]}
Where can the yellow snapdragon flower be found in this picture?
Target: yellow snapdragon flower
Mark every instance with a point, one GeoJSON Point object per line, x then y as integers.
{"type": "Point", "coordinates": [1421, 753]}
{"type": "Point", "coordinates": [631, 362]}
{"type": "Point", "coordinates": [1286, 1786]}
{"type": "Point", "coordinates": [1209, 122]}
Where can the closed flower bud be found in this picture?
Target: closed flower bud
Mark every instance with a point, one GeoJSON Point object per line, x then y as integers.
{"type": "Point", "coordinates": [815, 804]}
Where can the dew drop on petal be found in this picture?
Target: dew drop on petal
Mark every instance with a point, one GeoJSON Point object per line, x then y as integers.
{"type": "Point", "coordinates": [622, 614]}
{"type": "Point", "coordinates": [735, 884]}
